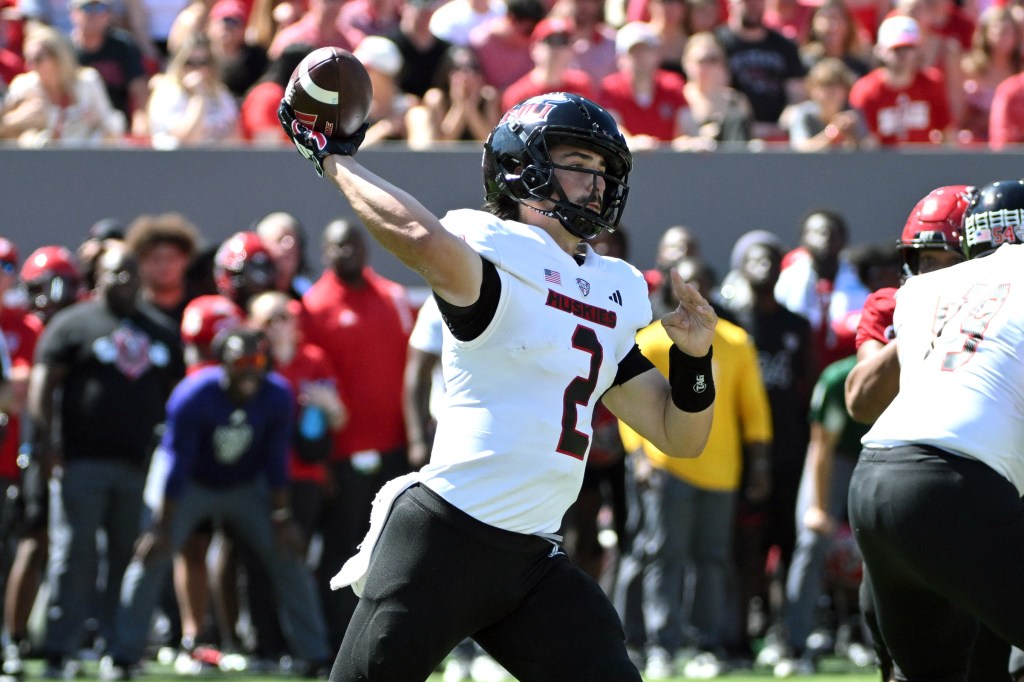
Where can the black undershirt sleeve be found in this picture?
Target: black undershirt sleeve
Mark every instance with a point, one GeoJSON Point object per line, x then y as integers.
{"type": "Point", "coordinates": [468, 322]}
{"type": "Point", "coordinates": [634, 364]}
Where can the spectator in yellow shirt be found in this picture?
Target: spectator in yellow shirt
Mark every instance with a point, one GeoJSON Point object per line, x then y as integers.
{"type": "Point", "coordinates": [688, 506]}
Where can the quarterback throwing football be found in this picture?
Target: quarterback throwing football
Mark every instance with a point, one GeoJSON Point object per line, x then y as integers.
{"type": "Point", "coordinates": [538, 330]}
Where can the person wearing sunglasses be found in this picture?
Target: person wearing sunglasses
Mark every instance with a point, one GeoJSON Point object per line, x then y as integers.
{"type": "Point", "coordinates": [225, 453]}
{"type": "Point", "coordinates": [190, 105]}
{"type": "Point", "coordinates": [57, 101]}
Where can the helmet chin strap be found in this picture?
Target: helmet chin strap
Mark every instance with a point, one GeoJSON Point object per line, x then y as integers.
{"type": "Point", "coordinates": [567, 222]}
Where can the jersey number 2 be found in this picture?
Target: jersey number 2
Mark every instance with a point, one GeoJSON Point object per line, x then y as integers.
{"type": "Point", "coordinates": [579, 392]}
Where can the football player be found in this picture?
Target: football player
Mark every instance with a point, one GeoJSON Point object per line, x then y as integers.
{"type": "Point", "coordinates": [935, 503]}
{"type": "Point", "coordinates": [51, 280]}
{"type": "Point", "coordinates": [930, 241]}
{"type": "Point", "coordinates": [534, 337]}
{"type": "Point", "coordinates": [243, 267]}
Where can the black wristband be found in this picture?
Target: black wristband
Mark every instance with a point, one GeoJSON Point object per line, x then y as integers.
{"type": "Point", "coordinates": [693, 385]}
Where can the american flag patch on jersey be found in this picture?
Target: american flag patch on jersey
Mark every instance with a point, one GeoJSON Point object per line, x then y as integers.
{"type": "Point", "coordinates": [552, 276]}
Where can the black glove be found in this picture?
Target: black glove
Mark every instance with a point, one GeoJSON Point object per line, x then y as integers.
{"type": "Point", "coordinates": [316, 146]}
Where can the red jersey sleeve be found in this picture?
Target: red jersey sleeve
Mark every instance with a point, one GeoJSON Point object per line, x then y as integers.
{"type": "Point", "coordinates": [876, 317]}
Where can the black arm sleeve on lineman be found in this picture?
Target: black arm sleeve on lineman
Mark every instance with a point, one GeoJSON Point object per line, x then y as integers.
{"type": "Point", "coordinates": [634, 364]}
{"type": "Point", "coordinates": [467, 323]}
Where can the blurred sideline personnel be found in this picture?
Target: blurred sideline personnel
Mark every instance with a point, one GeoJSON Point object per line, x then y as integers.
{"type": "Point", "coordinates": [520, 311]}
{"type": "Point", "coordinates": [203, 318]}
{"type": "Point", "coordinates": [102, 373]}
{"type": "Point", "coordinates": [21, 330]}
{"type": "Point", "coordinates": [226, 448]}
{"type": "Point", "coordinates": [935, 504]}
{"type": "Point", "coordinates": [930, 241]}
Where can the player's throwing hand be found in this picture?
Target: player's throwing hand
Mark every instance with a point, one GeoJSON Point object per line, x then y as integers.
{"type": "Point", "coordinates": [316, 146]}
{"type": "Point", "coordinates": [691, 326]}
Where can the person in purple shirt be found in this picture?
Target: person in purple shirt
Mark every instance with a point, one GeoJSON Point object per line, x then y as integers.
{"type": "Point", "coordinates": [224, 456]}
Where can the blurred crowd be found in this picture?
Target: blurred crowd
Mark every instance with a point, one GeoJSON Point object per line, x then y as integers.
{"type": "Point", "coordinates": [690, 75]}
{"type": "Point", "coordinates": [155, 505]}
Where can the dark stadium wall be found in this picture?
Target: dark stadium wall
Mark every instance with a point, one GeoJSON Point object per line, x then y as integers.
{"type": "Point", "coordinates": [53, 196]}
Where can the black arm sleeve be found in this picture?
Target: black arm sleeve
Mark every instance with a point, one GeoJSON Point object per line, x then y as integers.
{"type": "Point", "coordinates": [467, 323]}
{"type": "Point", "coordinates": [634, 364]}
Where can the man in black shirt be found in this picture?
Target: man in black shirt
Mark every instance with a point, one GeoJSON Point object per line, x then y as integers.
{"type": "Point", "coordinates": [102, 374]}
{"type": "Point", "coordinates": [113, 52]}
{"type": "Point", "coordinates": [764, 64]}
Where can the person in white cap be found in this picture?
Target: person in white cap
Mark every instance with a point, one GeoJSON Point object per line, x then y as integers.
{"type": "Point", "coordinates": [646, 100]}
{"type": "Point", "coordinates": [902, 102]}
{"type": "Point", "coordinates": [383, 61]}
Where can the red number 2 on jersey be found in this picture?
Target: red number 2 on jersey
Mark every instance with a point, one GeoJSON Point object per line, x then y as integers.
{"type": "Point", "coordinates": [579, 392]}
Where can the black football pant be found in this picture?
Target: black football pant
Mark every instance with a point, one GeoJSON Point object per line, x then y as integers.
{"type": "Point", "coordinates": [438, 575]}
{"type": "Point", "coordinates": [943, 544]}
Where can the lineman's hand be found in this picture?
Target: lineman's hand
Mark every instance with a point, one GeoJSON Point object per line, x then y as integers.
{"type": "Point", "coordinates": [691, 326]}
{"type": "Point", "coordinates": [316, 146]}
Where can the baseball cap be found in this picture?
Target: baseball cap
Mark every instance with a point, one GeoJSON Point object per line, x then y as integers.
{"type": "Point", "coordinates": [552, 26]}
{"type": "Point", "coordinates": [228, 9]}
{"type": "Point", "coordinates": [380, 54]}
{"type": "Point", "coordinates": [899, 31]}
{"type": "Point", "coordinates": [633, 34]}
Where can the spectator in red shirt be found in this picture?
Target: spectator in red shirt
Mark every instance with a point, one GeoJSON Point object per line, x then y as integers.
{"type": "Point", "coordinates": [551, 51]}
{"type": "Point", "coordinates": [646, 101]}
{"type": "Point", "coordinates": [1006, 122]}
{"type": "Point", "coordinates": [902, 102]}
{"type": "Point", "coordinates": [308, 371]}
{"type": "Point", "coordinates": [362, 321]}
{"type": "Point", "coordinates": [258, 116]}
{"type": "Point", "coordinates": [938, 50]}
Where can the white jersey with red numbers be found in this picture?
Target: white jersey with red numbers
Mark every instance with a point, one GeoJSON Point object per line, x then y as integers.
{"type": "Point", "coordinates": [513, 439]}
{"type": "Point", "coordinates": [961, 342]}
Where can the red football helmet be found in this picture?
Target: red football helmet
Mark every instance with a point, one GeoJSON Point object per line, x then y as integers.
{"type": "Point", "coordinates": [206, 316]}
{"type": "Point", "coordinates": [242, 267]}
{"type": "Point", "coordinates": [934, 224]}
{"type": "Point", "coordinates": [51, 279]}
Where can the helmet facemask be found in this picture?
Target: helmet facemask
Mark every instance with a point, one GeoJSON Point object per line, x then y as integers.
{"type": "Point", "coordinates": [517, 164]}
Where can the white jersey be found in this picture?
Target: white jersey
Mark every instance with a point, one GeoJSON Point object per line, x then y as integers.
{"type": "Point", "coordinates": [513, 438]}
{"type": "Point", "coordinates": [960, 332]}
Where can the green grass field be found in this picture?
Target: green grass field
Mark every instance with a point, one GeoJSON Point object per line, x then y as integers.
{"type": "Point", "coordinates": [833, 670]}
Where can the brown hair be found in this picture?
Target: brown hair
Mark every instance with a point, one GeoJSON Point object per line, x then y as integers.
{"type": "Point", "coordinates": [148, 231]}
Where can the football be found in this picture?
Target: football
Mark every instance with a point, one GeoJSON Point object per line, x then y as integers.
{"type": "Point", "coordinates": [330, 92]}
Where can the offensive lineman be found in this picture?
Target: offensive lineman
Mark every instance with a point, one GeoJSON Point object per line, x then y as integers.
{"type": "Point", "coordinates": [935, 498]}
{"type": "Point", "coordinates": [534, 337]}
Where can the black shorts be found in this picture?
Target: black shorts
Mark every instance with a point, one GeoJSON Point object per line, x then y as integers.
{"type": "Point", "coordinates": [437, 575]}
{"type": "Point", "coordinates": [943, 544]}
